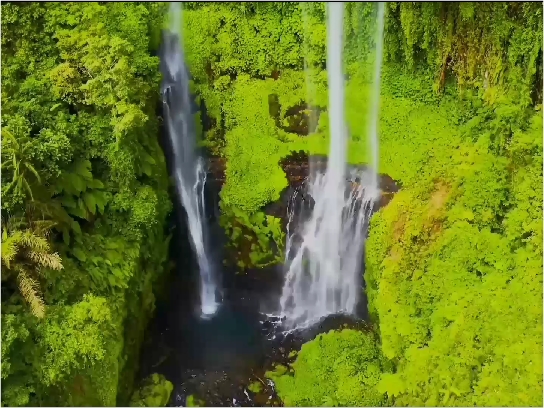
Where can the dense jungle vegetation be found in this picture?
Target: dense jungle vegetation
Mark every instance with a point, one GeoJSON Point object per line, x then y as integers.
{"type": "Point", "coordinates": [453, 262]}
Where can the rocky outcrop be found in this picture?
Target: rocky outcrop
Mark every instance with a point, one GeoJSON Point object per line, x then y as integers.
{"type": "Point", "coordinates": [297, 169]}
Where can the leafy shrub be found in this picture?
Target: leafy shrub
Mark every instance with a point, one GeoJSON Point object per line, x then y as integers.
{"type": "Point", "coordinates": [155, 392]}
{"type": "Point", "coordinates": [338, 368]}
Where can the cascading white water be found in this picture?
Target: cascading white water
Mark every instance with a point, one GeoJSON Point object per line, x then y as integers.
{"type": "Point", "coordinates": [189, 169]}
{"type": "Point", "coordinates": [324, 253]}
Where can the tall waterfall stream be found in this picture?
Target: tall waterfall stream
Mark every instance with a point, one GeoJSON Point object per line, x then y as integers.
{"type": "Point", "coordinates": [324, 253]}
{"type": "Point", "coordinates": [189, 171]}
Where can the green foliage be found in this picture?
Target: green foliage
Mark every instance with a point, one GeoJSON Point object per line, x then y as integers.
{"type": "Point", "coordinates": [193, 401]}
{"type": "Point", "coordinates": [74, 337]}
{"type": "Point", "coordinates": [255, 387]}
{"type": "Point", "coordinates": [259, 238]}
{"type": "Point", "coordinates": [483, 46]}
{"type": "Point", "coordinates": [24, 255]}
{"type": "Point", "coordinates": [454, 274]}
{"type": "Point", "coordinates": [80, 155]}
{"type": "Point", "coordinates": [44, 363]}
{"type": "Point", "coordinates": [339, 368]}
{"type": "Point", "coordinates": [254, 144]}
{"type": "Point", "coordinates": [255, 38]}
{"type": "Point", "coordinates": [155, 392]}
{"type": "Point", "coordinates": [454, 262]}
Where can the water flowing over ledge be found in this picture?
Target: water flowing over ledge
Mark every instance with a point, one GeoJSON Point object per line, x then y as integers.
{"type": "Point", "coordinates": [324, 252]}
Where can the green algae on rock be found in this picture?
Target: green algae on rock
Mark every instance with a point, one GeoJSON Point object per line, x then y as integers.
{"type": "Point", "coordinates": [154, 392]}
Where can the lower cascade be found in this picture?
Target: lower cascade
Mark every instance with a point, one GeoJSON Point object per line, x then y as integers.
{"type": "Point", "coordinates": [324, 255]}
{"type": "Point", "coordinates": [324, 252]}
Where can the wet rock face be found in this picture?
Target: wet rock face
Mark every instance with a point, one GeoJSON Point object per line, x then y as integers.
{"type": "Point", "coordinates": [297, 169]}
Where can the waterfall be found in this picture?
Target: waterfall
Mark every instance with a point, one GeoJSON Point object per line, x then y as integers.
{"type": "Point", "coordinates": [189, 169]}
{"type": "Point", "coordinates": [324, 251]}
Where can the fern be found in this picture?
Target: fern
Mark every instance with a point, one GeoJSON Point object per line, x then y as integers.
{"type": "Point", "coordinates": [30, 290]}
{"type": "Point", "coordinates": [16, 162]}
{"type": "Point", "coordinates": [25, 253]}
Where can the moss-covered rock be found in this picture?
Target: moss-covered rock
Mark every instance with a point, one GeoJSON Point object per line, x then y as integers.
{"type": "Point", "coordinates": [194, 401]}
{"type": "Point", "coordinates": [255, 387]}
{"type": "Point", "coordinates": [154, 392]}
{"type": "Point", "coordinates": [339, 368]}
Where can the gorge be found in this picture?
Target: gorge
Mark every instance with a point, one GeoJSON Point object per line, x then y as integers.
{"type": "Point", "coordinates": [117, 211]}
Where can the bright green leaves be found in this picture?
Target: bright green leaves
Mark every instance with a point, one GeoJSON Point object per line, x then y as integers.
{"type": "Point", "coordinates": [71, 340]}
{"type": "Point", "coordinates": [258, 237]}
{"type": "Point", "coordinates": [154, 392]}
{"type": "Point", "coordinates": [339, 368]}
{"type": "Point", "coordinates": [74, 332]}
{"type": "Point", "coordinates": [79, 254]}
{"type": "Point", "coordinates": [457, 292]}
{"type": "Point", "coordinates": [82, 195]}
{"type": "Point", "coordinates": [144, 212]}
{"type": "Point", "coordinates": [254, 145]}
{"type": "Point", "coordinates": [147, 164]}
{"type": "Point", "coordinates": [110, 262]}
{"type": "Point", "coordinates": [90, 201]}
{"type": "Point", "coordinates": [523, 223]}
{"type": "Point", "coordinates": [79, 91]}
{"type": "Point", "coordinates": [16, 339]}
{"type": "Point", "coordinates": [90, 92]}
{"type": "Point", "coordinates": [235, 40]}
{"type": "Point", "coordinates": [16, 162]}
{"type": "Point", "coordinates": [488, 46]}
{"type": "Point", "coordinates": [482, 187]}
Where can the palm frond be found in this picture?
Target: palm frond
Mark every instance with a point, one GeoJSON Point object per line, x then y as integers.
{"type": "Point", "coordinates": [33, 170]}
{"type": "Point", "coordinates": [53, 261]}
{"type": "Point", "coordinates": [15, 166]}
{"type": "Point", "coordinates": [8, 136]}
{"type": "Point", "coordinates": [15, 223]}
{"type": "Point", "coordinates": [34, 242]}
{"type": "Point", "coordinates": [27, 186]}
{"type": "Point", "coordinates": [26, 252]}
{"type": "Point", "coordinates": [26, 147]}
{"type": "Point", "coordinates": [29, 289]}
{"type": "Point", "coordinates": [8, 250]}
{"type": "Point", "coordinates": [43, 227]}
{"type": "Point", "coordinates": [6, 164]}
{"type": "Point", "coordinates": [9, 187]}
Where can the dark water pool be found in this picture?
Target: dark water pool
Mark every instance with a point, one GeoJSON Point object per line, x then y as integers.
{"type": "Point", "coordinates": [217, 359]}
